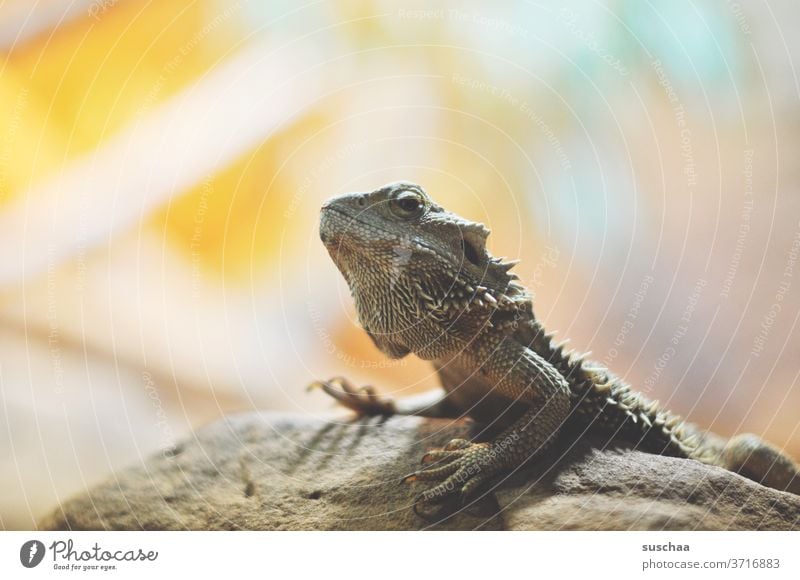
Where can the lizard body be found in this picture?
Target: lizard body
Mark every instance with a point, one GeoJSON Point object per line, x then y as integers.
{"type": "Point", "coordinates": [423, 282]}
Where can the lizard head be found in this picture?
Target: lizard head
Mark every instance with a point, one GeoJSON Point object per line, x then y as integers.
{"type": "Point", "coordinates": [403, 256]}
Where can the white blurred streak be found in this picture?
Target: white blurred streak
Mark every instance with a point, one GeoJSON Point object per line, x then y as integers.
{"type": "Point", "coordinates": [57, 439]}
{"type": "Point", "coordinates": [141, 301]}
{"type": "Point", "coordinates": [21, 20]}
{"type": "Point", "coordinates": [196, 133]}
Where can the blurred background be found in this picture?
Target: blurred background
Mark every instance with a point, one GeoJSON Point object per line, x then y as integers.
{"type": "Point", "coordinates": [162, 165]}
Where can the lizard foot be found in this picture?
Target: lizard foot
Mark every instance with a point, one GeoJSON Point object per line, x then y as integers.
{"type": "Point", "coordinates": [365, 401]}
{"type": "Point", "coordinates": [460, 467]}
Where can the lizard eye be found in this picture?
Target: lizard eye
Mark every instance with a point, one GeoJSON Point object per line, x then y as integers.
{"type": "Point", "coordinates": [407, 205]}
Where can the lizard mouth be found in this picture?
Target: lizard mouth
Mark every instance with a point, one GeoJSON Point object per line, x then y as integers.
{"type": "Point", "coordinates": [333, 227]}
{"type": "Point", "coordinates": [333, 230]}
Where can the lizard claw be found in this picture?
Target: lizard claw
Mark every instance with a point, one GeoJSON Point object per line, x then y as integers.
{"type": "Point", "coordinates": [443, 455]}
{"type": "Point", "coordinates": [457, 444]}
{"type": "Point", "coordinates": [365, 401]}
{"type": "Point", "coordinates": [460, 468]}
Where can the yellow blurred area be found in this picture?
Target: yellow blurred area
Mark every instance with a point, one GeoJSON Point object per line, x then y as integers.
{"type": "Point", "coordinates": [77, 86]}
{"type": "Point", "coordinates": [29, 140]}
{"type": "Point", "coordinates": [235, 218]}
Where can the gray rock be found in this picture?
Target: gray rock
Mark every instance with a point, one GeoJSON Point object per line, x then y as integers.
{"type": "Point", "coordinates": [283, 472]}
{"type": "Point", "coordinates": [623, 489]}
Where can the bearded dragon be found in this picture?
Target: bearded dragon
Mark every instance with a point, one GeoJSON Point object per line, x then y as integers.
{"type": "Point", "coordinates": [424, 282]}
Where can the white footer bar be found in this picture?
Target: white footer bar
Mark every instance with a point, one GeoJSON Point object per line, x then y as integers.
{"type": "Point", "coordinates": [406, 555]}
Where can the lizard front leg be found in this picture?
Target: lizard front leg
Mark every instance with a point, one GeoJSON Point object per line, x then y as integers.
{"type": "Point", "coordinates": [516, 373]}
{"type": "Point", "coordinates": [365, 401]}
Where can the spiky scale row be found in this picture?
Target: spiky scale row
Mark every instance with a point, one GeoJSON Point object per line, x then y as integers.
{"type": "Point", "coordinates": [465, 295]}
{"type": "Point", "coordinates": [601, 397]}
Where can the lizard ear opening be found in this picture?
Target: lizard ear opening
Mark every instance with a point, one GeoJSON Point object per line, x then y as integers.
{"type": "Point", "coordinates": [473, 242]}
{"type": "Point", "coordinates": [470, 252]}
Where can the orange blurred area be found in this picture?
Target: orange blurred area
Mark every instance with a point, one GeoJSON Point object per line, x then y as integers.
{"type": "Point", "coordinates": [162, 165]}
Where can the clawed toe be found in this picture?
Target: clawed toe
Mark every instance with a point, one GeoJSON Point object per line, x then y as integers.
{"type": "Point", "coordinates": [363, 400]}
{"type": "Point", "coordinates": [460, 468]}
{"type": "Point", "coordinates": [439, 456]}
{"type": "Point", "coordinates": [428, 474]}
{"type": "Point", "coordinates": [457, 444]}
{"type": "Point", "coordinates": [447, 453]}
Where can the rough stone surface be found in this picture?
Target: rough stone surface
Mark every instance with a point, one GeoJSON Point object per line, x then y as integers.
{"type": "Point", "coordinates": [283, 472]}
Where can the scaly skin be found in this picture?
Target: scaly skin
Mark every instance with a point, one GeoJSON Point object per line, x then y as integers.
{"type": "Point", "coordinates": [424, 283]}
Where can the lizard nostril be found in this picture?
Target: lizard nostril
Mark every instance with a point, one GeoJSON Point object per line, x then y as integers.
{"type": "Point", "coordinates": [362, 201]}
